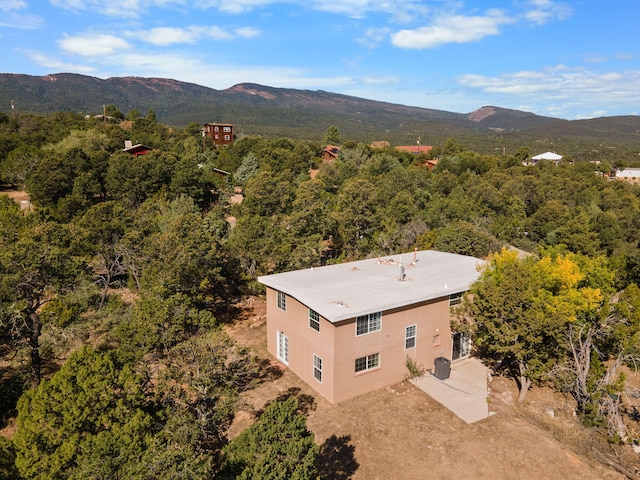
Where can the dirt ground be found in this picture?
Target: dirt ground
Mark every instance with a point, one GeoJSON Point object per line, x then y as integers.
{"type": "Point", "coordinates": [400, 432]}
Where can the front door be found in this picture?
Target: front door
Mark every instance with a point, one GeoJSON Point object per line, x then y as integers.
{"type": "Point", "coordinates": [461, 346]}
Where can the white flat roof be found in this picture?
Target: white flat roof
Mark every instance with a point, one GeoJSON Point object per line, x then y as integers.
{"type": "Point", "coordinates": [629, 173]}
{"type": "Point", "coordinates": [347, 290]}
{"type": "Point", "coordinates": [547, 156]}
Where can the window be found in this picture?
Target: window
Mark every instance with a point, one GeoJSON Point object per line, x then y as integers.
{"type": "Point", "coordinates": [410, 337]}
{"type": "Point", "coordinates": [227, 137]}
{"type": "Point", "coordinates": [367, 363]}
{"type": "Point", "coordinates": [282, 301]}
{"type": "Point", "coordinates": [314, 320]}
{"type": "Point", "coordinates": [217, 129]}
{"type": "Point", "coordinates": [368, 323]}
{"type": "Point", "coordinates": [455, 299]}
{"type": "Point", "coordinates": [227, 129]}
{"type": "Point", "coordinates": [317, 368]}
{"type": "Point", "coordinates": [282, 347]}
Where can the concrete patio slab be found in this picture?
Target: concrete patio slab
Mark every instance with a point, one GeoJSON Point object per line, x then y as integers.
{"type": "Point", "coordinates": [464, 392]}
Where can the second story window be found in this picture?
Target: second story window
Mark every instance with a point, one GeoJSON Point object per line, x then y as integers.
{"type": "Point", "coordinates": [368, 323]}
{"type": "Point", "coordinates": [314, 320]}
{"type": "Point", "coordinates": [282, 301]}
{"type": "Point", "coordinates": [455, 299]}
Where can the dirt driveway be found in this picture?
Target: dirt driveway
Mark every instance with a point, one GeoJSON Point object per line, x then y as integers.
{"type": "Point", "coordinates": [401, 433]}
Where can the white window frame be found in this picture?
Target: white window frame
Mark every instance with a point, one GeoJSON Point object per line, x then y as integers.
{"type": "Point", "coordinates": [372, 322]}
{"type": "Point", "coordinates": [371, 362]}
{"type": "Point", "coordinates": [410, 336]}
{"type": "Point", "coordinates": [282, 347]}
{"type": "Point", "coordinates": [314, 320]}
{"type": "Point", "coordinates": [227, 137]}
{"type": "Point", "coordinates": [455, 299]}
{"type": "Point", "coordinates": [281, 301]}
{"type": "Point", "coordinates": [227, 129]}
{"type": "Point", "coordinates": [317, 368]}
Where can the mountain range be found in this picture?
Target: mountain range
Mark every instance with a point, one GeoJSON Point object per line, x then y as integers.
{"type": "Point", "coordinates": [261, 110]}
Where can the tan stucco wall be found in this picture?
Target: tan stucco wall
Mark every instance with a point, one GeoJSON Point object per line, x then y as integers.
{"type": "Point", "coordinates": [338, 345]}
{"type": "Point", "coordinates": [304, 341]}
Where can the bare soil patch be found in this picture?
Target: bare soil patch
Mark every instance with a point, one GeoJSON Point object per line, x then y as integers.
{"type": "Point", "coordinates": [17, 196]}
{"type": "Point", "coordinates": [400, 432]}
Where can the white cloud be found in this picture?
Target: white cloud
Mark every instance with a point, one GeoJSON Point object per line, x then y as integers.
{"type": "Point", "coordinates": [376, 80]}
{"type": "Point", "coordinates": [9, 5]}
{"type": "Point", "coordinates": [399, 9]}
{"type": "Point", "coordinates": [23, 21]}
{"type": "Point", "coordinates": [117, 8]}
{"type": "Point", "coordinates": [88, 44]}
{"type": "Point", "coordinates": [373, 37]}
{"type": "Point", "coordinates": [544, 11]}
{"type": "Point", "coordinates": [565, 90]}
{"type": "Point", "coordinates": [57, 65]}
{"type": "Point", "coordinates": [163, 36]}
{"type": "Point", "coordinates": [452, 29]}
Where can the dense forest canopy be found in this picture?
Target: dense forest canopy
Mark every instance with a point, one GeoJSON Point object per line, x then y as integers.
{"type": "Point", "coordinates": [121, 265]}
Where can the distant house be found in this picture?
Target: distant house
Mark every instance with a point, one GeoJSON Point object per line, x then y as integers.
{"type": "Point", "coordinates": [551, 156]}
{"type": "Point", "coordinates": [415, 149]}
{"type": "Point", "coordinates": [221, 133]}
{"type": "Point", "coordinates": [430, 164]}
{"type": "Point", "coordinates": [348, 329]}
{"type": "Point", "coordinates": [330, 152]}
{"type": "Point", "coordinates": [135, 150]}
{"type": "Point", "coordinates": [630, 174]}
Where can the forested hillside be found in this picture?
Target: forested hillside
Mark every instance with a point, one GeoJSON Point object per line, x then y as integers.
{"type": "Point", "coordinates": [305, 115]}
{"type": "Point", "coordinates": [114, 364]}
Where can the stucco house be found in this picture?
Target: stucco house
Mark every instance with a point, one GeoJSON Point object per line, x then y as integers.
{"type": "Point", "coordinates": [348, 329]}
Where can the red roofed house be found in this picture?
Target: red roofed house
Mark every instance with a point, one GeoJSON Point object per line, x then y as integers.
{"type": "Point", "coordinates": [135, 150]}
{"type": "Point", "coordinates": [415, 149]}
{"type": "Point", "coordinates": [330, 152]}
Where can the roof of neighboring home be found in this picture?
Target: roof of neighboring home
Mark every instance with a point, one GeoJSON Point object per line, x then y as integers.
{"type": "Point", "coordinates": [332, 150]}
{"type": "Point", "coordinates": [347, 290]}
{"type": "Point", "coordinates": [415, 148]}
{"type": "Point", "coordinates": [137, 148]}
{"type": "Point", "coordinates": [547, 156]}
{"type": "Point", "coordinates": [629, 173]}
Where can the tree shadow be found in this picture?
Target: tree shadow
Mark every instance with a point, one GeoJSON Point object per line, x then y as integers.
{"type": "Point", "coordinates": [336, 459]}
{"type": "Point", "coordinates": [12, 386]}
{"type": "Point", "coordinates": [306, 403]}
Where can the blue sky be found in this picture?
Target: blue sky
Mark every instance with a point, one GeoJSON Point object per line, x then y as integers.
{"type": "Point", "coordinates": [573, 59]}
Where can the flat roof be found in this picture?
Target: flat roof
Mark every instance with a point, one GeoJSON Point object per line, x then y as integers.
{"type": "Point", "coordinates": [347, 290]}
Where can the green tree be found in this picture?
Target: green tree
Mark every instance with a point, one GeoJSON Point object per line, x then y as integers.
{"type": "Point", "coordinates": [36, 265]}
{"type": "Point", "coordinates": [521, 310]}
{"type": "Point", "coordinates": [94, 410]}
{"type": "Point", "coordinates": [247, 168]}
{"type": "Point", "coordinates": [184, 252]}
{"type": "Point", "coordinates": [331, 136]}
{"type": "Point", "coordinates": [465, 239]}
{"type": "Point", "coordinates": [8, 469]}
{"type": "Point", "coordinates": [278, 447]}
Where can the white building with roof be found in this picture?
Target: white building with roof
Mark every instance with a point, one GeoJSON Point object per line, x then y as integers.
{"type": "Point", "coordinates": [348, 329]}
{"type": "Point", "coordinates": [629, 174]}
